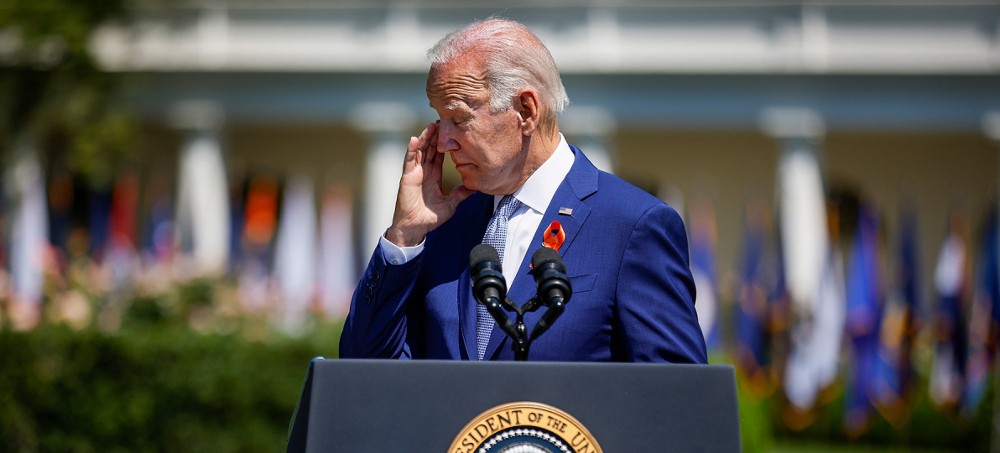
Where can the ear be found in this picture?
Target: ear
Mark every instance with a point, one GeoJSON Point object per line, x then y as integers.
{"type": "Point", "coordinates": [529, 110]}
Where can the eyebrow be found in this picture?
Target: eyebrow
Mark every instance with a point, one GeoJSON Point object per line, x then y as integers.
{"type": "Point", "coordinates": [453, 105]}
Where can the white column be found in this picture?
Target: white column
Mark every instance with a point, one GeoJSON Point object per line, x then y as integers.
{"type": "Point", "coordinates": [591, 129]}
{"type": "Point", "coordinates": [387, 126]}
{"type": "Point", "coordinates": [203, 217]}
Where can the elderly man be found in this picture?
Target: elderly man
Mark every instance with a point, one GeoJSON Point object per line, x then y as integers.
{"type": "Point", "coordinates": [498, 94]}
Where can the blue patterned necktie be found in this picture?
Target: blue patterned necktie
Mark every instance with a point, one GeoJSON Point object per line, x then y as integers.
{"type": "Point", "coordinates": [496, 236]}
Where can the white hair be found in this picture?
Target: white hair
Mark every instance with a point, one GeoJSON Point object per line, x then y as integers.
{"type": "Point", "coordinates": [515, 59]}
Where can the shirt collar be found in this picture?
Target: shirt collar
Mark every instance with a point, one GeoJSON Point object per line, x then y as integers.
{"type": "Point", "coordinates": [541, 186]}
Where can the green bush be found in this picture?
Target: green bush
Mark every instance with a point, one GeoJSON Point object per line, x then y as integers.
{"type": "Point", "coordinates": [151, 388]}
{"type": "Point", "coordinates": [756, 428]}
{"type": "Point", "coordinates": [922, 425]}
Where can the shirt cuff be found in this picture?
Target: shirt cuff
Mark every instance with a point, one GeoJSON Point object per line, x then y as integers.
{"type": "Point", "coordinates": [395, 254]}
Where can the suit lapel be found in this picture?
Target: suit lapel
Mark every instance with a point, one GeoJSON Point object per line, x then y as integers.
{"type": "Point", "coordinates": [472, 237]}
{"type": "Point", "coordinates": [580, 182]}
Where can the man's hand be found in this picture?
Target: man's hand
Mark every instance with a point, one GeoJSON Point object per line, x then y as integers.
{"type": "Point", "coordinates": [421, 206]}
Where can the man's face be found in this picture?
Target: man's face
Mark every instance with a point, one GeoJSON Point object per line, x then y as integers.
{"type": "Point", "coordinates": [486, 147]}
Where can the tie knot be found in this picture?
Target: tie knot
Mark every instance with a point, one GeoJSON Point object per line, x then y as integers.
{"type": "Point", "coordinates": [508, 204]}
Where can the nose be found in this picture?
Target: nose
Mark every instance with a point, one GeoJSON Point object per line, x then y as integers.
{"type": "Point", "coordinates": [445, 140]}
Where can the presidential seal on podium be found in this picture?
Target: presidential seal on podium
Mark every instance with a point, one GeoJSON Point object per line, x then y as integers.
{"type": "Point", "coordinates": [524, 427]}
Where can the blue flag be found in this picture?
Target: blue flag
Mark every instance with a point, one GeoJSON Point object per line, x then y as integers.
{"type": "Point", "coordinates": [909, 284]}
{"type": "Point", "coordinates": [982, 323]}
{"type": "Point", "coordinates": [99, 226]}
{"type": "Point", "coordinates": [947, 378]}
{"type": "Point", "coordinates": [863, 320]}
{"type": "Point", "coordinates": [893, 369]}
{"type": "Point", "coordinates": [157, 242]}
{"type": "Point", "coordinates": [752, 309]}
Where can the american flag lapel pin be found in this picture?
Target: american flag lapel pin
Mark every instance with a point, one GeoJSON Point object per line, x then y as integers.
{"type": "Point", "coordinates": [565, 211]}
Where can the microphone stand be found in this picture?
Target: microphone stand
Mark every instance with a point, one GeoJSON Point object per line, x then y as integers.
{"type": "Point", "coordinates": [521, 341]}
{"type": "Point", "coordinates": [553, 291]}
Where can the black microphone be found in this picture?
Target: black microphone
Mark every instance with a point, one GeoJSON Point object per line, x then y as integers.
{"type": "Point", "coordinates": [550, 276]}
{"type": "Point", "coordinates": [554, 289]}
{"type": "Point", "coordinates": [489, 286]}
{"type": "Point", "coordinates": [487, 276]}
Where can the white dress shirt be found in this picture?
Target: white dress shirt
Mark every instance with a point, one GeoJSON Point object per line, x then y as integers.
{"type": "Point", "coordinates": [534, 195]}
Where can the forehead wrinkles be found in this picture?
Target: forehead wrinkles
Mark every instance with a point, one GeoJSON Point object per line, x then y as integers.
{"type": "Point", "coordinates": [456, 87]}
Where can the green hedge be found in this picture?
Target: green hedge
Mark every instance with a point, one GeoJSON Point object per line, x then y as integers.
{"type": "Point", "coordinates": [151, 388]}
{"type": "Point", "coordinates": [922, 427]}
{"type": "Point", "coordinates": [158, 385]}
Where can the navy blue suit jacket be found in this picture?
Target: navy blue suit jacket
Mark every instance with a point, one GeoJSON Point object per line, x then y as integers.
{"type": "Point", "coordinates": [626, 254]}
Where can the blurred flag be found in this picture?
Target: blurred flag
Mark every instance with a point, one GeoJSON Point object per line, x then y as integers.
{"type": "Point", "coordinates": [28, 237]}
{"type": "Point", "coordinates": [260, 215]}
{"type": "Point", "coordinates": [805, 243]}
{"type": "Point", "coordinates": [909, 284]}
{"type": "Point", "coordinates": [124, 202]}
{"type": "Point", "coordinates": [805, 250]}
{"type": "Point", "coordinates": [703, 243]}
{"type": "Point", "coordinates": [780, 318]}
{"type": "Point", "coordinates": [337, 278]}
{"type": "Point", "coordinates": [60, 208]}
{"type": "Point", "coordinates": [894, 369]}
{"type": "Point", "coordinates": [295, 252]}
{"type": "Point", "coordinates": [830, 319]}
{"type": "Point", "coordinates": [950, 276]}
{"type": "Point", "coordinates": [752, 309]}
{"type": "Point", "coordinates": [237, 206]}
{"type": "Point", "coordinates": [121, 230]}
{"type": "Point", "coordinates": [816, 340]}
{"type": "Point", "coordinates": [202, 222]}
{"type": "Point", "coordinates": [260, 220]}
{"type": "Point", "coordinates": [864, 292]}
{"type": "Point", "coordinates": [158, 239]}
{"type": "Point", "coordinates": [983, 319]}
{"type": "Point", "coordinates": [98, 222]}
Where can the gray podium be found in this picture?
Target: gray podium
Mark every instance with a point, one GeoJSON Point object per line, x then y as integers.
{"type": "Point", "coordinates": [423, 406]}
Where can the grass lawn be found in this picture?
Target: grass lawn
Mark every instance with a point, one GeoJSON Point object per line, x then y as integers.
{"type": "Point", "coordinates": [806, 447]}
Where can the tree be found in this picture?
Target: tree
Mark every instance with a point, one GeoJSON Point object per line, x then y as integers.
{"type": "Point", "coordinates": [51, 87]}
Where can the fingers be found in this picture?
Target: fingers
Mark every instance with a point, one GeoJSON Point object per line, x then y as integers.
{"type": "Point", "coordinates": [419, 148]}
{"type": "Point", "coordinates": [410, 158]}
{"type": "Point", "coordinates": [433, 173]}
{"type": "Point", "coordinates": [428, 131]}
{"type": "Point", "coordinates": [431, 147]}
{"type": "Point", "coordinates": [432, 163]}
{"type": "Point", "coordinates": [428, 138]}
{"type": "Point", "coordinates": [412, 148]}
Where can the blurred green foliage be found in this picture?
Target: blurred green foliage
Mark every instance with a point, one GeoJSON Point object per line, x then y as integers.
{"type": "Point", "coordinates": [756, 426]}
{"type": "Point", "coordinates": [52, 90]}
{"type": "Point", "coordinates": [765, 424]}
{"type": "Point", "coordinates": [147, 388]}
{"type": "Point", "coordinates": [159, 383]}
